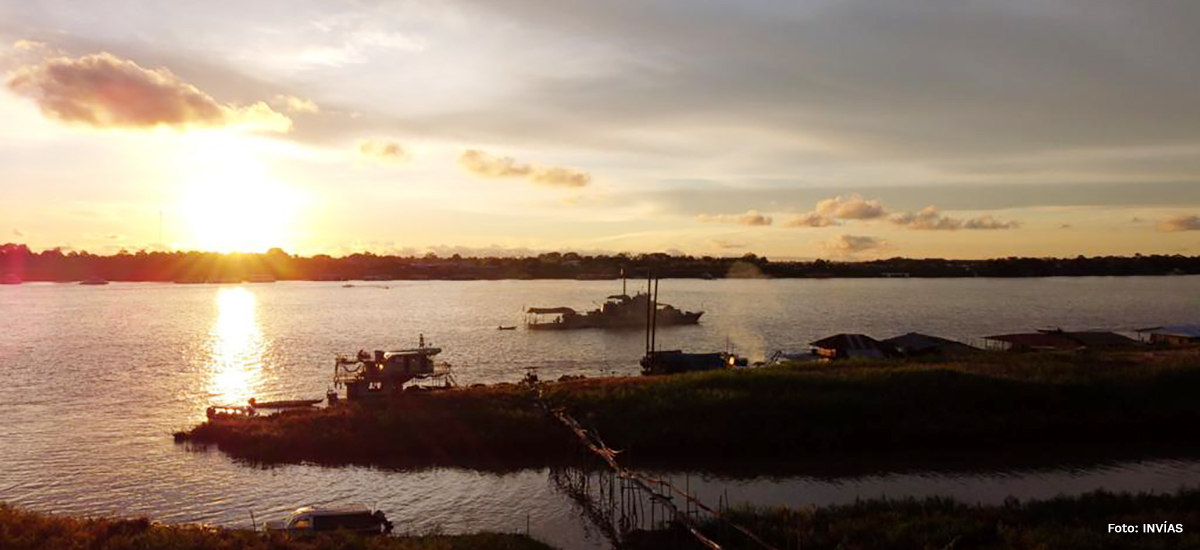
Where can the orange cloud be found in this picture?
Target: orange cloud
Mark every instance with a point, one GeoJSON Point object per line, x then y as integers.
{"type": "Point", "coordinates": [751, 217]}
{"type": "Point", "coordinates": [105, 91]}
{"type": "Point", "coordinates": [1180, 223]}
{"type": "Point", "coordinates": [383, 150]}
{"type": "Point", "coordinates": [930, 218]}
{"type": "Point", "coordinates": [849, 245]}
{"type": "Point", "coordinates": [809, 219]}
{"type": "Point", "coordinates": [487, 165]}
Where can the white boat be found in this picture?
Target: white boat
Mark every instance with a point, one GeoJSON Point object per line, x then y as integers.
{"type": "Point", "coordinates": [311, 519]}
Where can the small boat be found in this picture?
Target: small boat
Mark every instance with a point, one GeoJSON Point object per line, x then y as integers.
{"type": "Point", "coordinates": [261, 278]}
{"type": "Point", "coordinates": [94, 281]}
{"type": "Point", "coordinates": [284, 404]}
{"type": "Point", "coordinates": [508, 327]}
{"type": "Point", "coordinates": [355, 518]}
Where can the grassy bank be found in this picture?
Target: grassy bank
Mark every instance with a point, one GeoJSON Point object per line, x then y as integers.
{"type": "Point", "coordinates": [989, 402]}
{"type": "Point", "coordinates": [25, 530]}
{"type": "Point", "coordinates": [1061, 523]}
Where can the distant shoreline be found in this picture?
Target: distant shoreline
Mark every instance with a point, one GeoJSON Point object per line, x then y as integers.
{"type": "Point", "coordinates": [19, 264]}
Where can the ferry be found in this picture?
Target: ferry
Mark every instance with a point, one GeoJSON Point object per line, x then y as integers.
{"type": "Point", "coordinates": [618, 311]}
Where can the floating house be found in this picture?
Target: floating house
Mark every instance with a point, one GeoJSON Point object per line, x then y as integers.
{"type": "Point", "coordinates": [917, 344]}
{"type": "Point", "coordinates": [853, 346]}
{"type": "Point", "coordinates": [1056, 339]}
{"type": "Point", "coordinates": [1172, 335]}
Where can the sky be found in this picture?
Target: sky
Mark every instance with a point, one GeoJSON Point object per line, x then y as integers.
{"type": "Point", "coordinates": [839, 129]}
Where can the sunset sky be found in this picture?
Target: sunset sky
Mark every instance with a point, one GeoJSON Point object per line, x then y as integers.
{"type": "Point", "coordinates": [799, 129]}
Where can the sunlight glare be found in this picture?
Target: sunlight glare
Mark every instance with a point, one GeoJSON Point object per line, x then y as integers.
{"type": "Point", "coordinates": [237, 347]}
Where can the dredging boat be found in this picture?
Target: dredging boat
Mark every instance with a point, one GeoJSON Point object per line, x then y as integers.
{"type": "Point", "coordinates": [619, 311]}
{"type": "Point", "coordinates": [378, 375]}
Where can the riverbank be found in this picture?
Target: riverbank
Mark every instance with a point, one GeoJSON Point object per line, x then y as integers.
{"type": "Point", "coordinates": [1061, 523]}
{"type": "Point", "coordinates": [987, 402]}
{"type": "Point", "coordinates": [25, 530]}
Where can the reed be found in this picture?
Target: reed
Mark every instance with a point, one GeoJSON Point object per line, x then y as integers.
{"type": "Point", "coordinates": [987, 402]}
{"type": "Point", "coordinates": [1064, 523]}
{"type": "Point", "coordinates": [25, 530]}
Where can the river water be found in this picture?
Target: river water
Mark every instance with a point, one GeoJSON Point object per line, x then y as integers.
{"type": "Point", "coordinates": [96, 379]}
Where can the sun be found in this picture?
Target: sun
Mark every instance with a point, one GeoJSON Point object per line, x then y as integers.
{"type": "Point", "coordinates": [231, 202]}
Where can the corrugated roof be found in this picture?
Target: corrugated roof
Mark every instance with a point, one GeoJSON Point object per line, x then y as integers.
{"type": "Point", "coordinates": [849, 342]}
{"type": "Point", "coordinates": [915, 341]}
{"type": "Point", "coordinates": [1187, 331]}
{"type": "Point", "coordinates": [1036, 340]}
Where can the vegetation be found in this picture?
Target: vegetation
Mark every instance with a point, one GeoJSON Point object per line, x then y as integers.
{"type": "Point", "coordinates": [25, 530]}
{"type": "Point", "coordinates": [60, 265]}
{"type": "Point", "coordinates": [988, 402]}
{"type": "Point", "coordinates": [495, 428]}
{"type": "Point", "coordinates": [1061, 523]}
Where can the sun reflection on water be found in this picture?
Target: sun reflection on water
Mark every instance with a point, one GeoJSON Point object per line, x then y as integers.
{"type": "Point", "coordinates": [237, 348]}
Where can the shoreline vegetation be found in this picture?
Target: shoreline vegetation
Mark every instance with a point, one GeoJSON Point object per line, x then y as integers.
{"type": "Point", "coordinates": [997, 404]}
{"type": "Point", "coordinates": [1062, 523]}
{"type": "Point", "coordinates": [26, 530]}
{"type": "Point", "coordinates": [1065, 523]}
{"type": "Point", "coordinates": [17, 260]}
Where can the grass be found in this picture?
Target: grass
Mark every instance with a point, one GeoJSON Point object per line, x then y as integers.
{"type": "Point", "coordinates": [24, 530]}
{"type": "Point", "coordinates": [987, 402]}
{"type": "Point", "coordinates": [1063, 523]}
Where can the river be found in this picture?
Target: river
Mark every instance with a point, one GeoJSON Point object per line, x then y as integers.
{"type": "Point", "coordinates": [96, 379]}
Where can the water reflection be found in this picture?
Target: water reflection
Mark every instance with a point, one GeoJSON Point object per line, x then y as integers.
{"type": "Point", "coordinates": [236, 352]}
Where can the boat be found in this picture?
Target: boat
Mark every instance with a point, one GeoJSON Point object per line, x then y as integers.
{"type": "Point", "coordinates": [618, 311]}
{"type": "Point", "coordinates": [10, 279]}
{"type": "Point", "coordinates": [284, 404]}
{"type": "Point", "coordinates": [355, 518]}
{"type": "Point", "coordinates": [261, 278]}
{"type": "Point", "coordinates": [94, 281]}
{"type": "Point", "coordinates": [657, 362]}
{"type": "Point", "coordinates": [383, 374]}
{"type": "Point", "coordinates": [509, 327]}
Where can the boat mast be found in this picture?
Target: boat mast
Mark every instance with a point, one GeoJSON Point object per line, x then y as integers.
{"type": "Point", "coordinates": [648, 306]}
{"type": "Point", "coordinates": [654, 318]}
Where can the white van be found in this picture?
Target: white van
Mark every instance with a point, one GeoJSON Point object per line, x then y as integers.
{"type": "Point", "coordinates": [311, 519]}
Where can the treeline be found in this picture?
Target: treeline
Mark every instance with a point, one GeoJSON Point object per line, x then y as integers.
{"type": "Point", "coordinates": [19, 263]}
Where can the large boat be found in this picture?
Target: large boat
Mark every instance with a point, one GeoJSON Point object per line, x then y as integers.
{"type": "Point", "coordinates": [618, 311]}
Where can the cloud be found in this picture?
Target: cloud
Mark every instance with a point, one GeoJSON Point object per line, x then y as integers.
{"type": "Point", "coordinates": [1180, 223]}
{"type": "Point", "coordinates": [718, 243]}
{"type": "Point", "coordinates": [853, 207]}
{"type": "Point", "coordinates": [929, 218]}
{"type": "Point", "coordinates": [487, 165]}
{"type": "Point", "coordinates": [809, 219]}
{"type": "Point", "coordinates": [751, 217]}
{"type": "Point", "coordinates": [491, 166]}
{"type": "Point", "coordinates": [852, 244]}
{"type": "Point", "coordinates": [293, 104]}
{"type": "Point", "coordinates": [105, 91]}
{"type": "Point", "coordinates": [383, 150]}
{"type": "Point", "coordinates": [559, 176]}
{"type": "Point", "coordinates": [829, 211]}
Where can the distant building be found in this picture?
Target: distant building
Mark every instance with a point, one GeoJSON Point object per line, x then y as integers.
{"type": "Point", "coordinates": [916, 344]}
{"type": "Point", "coordinates": [1173, 335]}
{"type": "Point", "coordinates": [852, 346]}
{"type": "Point", "coordinates": [1056, 339]}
